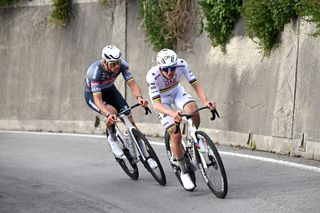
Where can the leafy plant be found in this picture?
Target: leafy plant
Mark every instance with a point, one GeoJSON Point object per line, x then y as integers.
{"type": "Point", "coordinates": [61, 11]}
{"type": "Point", "coordinates": [154, 20]}
{"type": "Point", "coordinates": [310, 10]}
{"type": "Point", "coordinates": [221, 17]}
{"type": "Point", "coordinates": [265, 19]}
{"type": "Point", "coordinates": [166, 22]}
{"type": "Point", "coordinates": [8, 2]}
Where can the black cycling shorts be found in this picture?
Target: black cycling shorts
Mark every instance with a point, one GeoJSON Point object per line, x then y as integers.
{"type": "Point", "coordinates": [110, 96]}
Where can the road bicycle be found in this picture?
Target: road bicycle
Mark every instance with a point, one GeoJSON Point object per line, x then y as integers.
{"type": "Point", "coordinates": [136, 147]}
{"type": "Point", "coordinates": [200, 153]}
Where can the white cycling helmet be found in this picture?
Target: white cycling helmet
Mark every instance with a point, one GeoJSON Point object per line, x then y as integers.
{"type": "Point", "coordinates": [111, 53]}
{"type": "Point", "coordinates": [166, 58]}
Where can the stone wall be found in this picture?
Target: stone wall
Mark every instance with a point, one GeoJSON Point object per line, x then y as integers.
{"type": "Point", "coordinates": [274, 100]}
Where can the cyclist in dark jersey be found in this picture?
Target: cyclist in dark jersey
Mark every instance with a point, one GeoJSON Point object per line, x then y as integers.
{"type": "Point", "coordinates": [103, 97]}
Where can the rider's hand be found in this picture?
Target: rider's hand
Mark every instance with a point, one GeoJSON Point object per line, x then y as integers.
{"type": "Point", "coordinates": [110, 120]}
{"type": "Point", "coordinates": [142, 102]}
{"type": "Point", "coordinates": [176, 116]}
{"type": "Point", "coordinates": [211, 105]}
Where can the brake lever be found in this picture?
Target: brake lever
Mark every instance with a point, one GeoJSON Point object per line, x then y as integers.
{"type": "Point", "coordinates": [214, 113]}
{"type": "Point", "coordinates": [147, 111]}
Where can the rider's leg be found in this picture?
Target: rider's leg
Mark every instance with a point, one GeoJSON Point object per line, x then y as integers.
{"type": "Point", "coordinates": [112, 138]}
{"type": "Point", "coordinates": [179, 152]}
{"type": "Point", "coordinates": [185, 102]}
{"type": "Point", "coordinates": [191, 107]}
{"type": "Point", "coordinates": [112, 110]}
{"type": "Point", "coordinates": [176, 145]}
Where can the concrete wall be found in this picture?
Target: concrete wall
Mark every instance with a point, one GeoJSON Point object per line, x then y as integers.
{"type": "Point", "coordinates": [274, 99]}
{"type": "Point", "coordinates": [43, 66]}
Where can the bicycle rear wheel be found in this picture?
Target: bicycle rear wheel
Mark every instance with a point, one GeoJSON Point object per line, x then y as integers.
{"type": "Point", "coordinates": [175, 166]}
{"type": "Point", "coordinates": [128, 165]}
{"type": "Point", "coordinates": [157, 173]}
{"type": "Point", "coordinates": [213, 171]}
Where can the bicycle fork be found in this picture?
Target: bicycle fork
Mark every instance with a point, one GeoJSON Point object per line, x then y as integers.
{"type": "Point", "coordinates": [197, 146]}
{"type": "Point", "coordinates": [137, 150]}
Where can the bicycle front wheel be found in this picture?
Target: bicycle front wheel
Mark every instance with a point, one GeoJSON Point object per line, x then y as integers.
{"type": "Point", "coordinates": [148, 152]}
{"type": "Point", "coordinates": [211, 166]}
{"type": "Point", "coordinates": [128, 165]}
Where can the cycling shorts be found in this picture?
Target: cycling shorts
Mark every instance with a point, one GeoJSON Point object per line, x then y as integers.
{"type": "Point", "coordinates": [179, 98]}
{"type": "Point", "coordinates": [110, 96]}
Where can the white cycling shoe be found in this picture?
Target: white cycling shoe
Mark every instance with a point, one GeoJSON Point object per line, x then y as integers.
{"type": "Point", "coordinates": [186, 181]}
{"type": "Point", "coordinates": [152, 163]}
{"type": "Point", "coordinates": [117, 151]}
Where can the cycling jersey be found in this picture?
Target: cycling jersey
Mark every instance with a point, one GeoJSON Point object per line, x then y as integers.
{"type": "Point", "coordinates": [170, 91]}
{"type": "Point", "coordinates": [98, 79]}
{"type": "Point", "coordinates": [160, 87]}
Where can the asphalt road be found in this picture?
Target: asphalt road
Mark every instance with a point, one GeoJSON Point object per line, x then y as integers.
{"type": "Point", "coordinates": [66, 173]}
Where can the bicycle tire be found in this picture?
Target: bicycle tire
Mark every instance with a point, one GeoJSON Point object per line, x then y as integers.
{"type": "Point", "coordinates": [129, 166]}
{"type": "Point", "coordinates": [218, 188]}
{"type": "Point", "coordinates": [176, 169]}
{"type": "Point", "coordinates": [157, 173]}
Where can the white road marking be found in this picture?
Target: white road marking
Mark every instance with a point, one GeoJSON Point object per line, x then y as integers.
{"type": "Point", "coordinates": [233, 154]}
{"type": "Point", "coordinates": [270, 160]}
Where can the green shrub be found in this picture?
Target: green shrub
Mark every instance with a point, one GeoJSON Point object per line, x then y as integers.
{"type": "Point", "coordinates": [167, 22]}
{"type": "Point", "coordinates": [310, 10]}
{"type": "Point", "coordinates": [61, 11]}
{"type": "Point", "coordinates": [154, 14]}
{"type": "Point", "coordinates": [265, 19]}
{"type": "Point", "coordinates": [221, 17]}
{"type": "Point", "coordinates": [8, 2]}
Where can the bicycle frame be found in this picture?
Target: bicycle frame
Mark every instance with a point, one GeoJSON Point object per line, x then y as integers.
{"type": "Point", "coordinates": [191, 134]}
{"type": "Point", "coordinates": [134, 142]}
{"type": "Point", "coordinates": [122, 115]}
{"type": "Point", "coordinates": [200, 153]}
{"type": "Point", "coordinates": [137, 148]}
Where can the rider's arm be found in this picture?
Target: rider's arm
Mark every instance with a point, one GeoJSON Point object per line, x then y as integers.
{"type": "Point", "coordinates": [134, 88]}
{"type": "Point", "coordinates": [127, 75]}
{"type": "Point", "coordinates": [201, 94]}
{"type": "Point", "coordinates": [196, 86]}
{"type": "Point", "coordinates": [137, 92]}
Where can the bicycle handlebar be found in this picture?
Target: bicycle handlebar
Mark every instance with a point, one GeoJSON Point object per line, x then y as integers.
{"type": "Point", "coordinates": [147, 110]}
{"type": "Point", "coordinates": [188, 116]}
{"type": "Point", "coordinates": [214, 113]}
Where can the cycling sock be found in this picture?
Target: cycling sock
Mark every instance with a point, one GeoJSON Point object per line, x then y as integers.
{"type": "Point", "coordinates": [112, 131]}
{"type": "Point", "coordinates": [182, 164]}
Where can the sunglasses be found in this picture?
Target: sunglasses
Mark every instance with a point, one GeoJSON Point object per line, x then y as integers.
{"type": "Point", "coordinates": [113, 63]}
{"type": "Point", "coordinates": [168, 69]}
